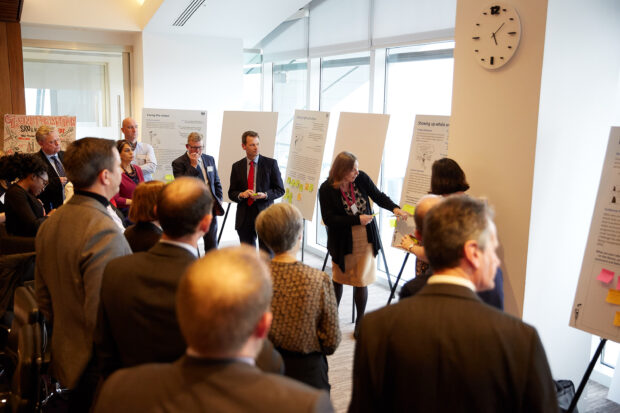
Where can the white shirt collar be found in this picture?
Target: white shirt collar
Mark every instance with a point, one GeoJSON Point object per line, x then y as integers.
{"type": "Point", "coordinates": [184, 245]}
{"type": "Point", "coordinates": [452, 279]}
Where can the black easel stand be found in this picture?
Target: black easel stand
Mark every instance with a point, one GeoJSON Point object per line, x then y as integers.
{"type": "Point", "coordinates": [586, 376]}
{"type": "Point", "coordinates": [219, 237]}
{"type": "Point", "coordinates": [400, 273]}
{"type": "Point", "coordinates": [303, 241]}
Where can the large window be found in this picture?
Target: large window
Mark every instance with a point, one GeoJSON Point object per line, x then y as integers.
{"type": "Point", "coordinates": [418, 82]}
{"type": "Point", "coordinates": [87, 84]}
{"type": "Point", "coordinates": [252, 80]}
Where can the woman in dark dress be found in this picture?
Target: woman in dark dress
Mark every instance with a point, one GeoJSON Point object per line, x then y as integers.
{"type": "Point", "coordinates": [132, 176]}
{"type": "Point", "coordinates": [24, 212]}
{"type": "Point", "coordinates": [146, 231]}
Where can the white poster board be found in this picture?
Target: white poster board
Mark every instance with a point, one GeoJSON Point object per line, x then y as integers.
{"type": "Point", "coordinates": [596, 308]}
{"type": "Point", "coordinates": [20, 131]}
{"type": "Point", "coordinates": [233, 126]}
{"type": "Point", "coordinates": [429, 143]}
{"type": "Point", "coordinates": [305, 156]}
{"type": "Point", "coordinates": [166, 130]}
{"type": "Point", "coordinates": [363, 134]}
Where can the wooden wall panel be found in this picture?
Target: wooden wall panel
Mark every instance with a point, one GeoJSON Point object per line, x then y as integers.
{"type": "Point", "coordinates": [16, 67]}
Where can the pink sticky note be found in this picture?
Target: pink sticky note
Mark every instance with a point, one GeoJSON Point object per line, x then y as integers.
{"type": "Point", "coordinates": [606, 276]}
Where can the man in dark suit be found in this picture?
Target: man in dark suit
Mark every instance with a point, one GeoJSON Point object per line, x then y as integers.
{"type": "Point", "coordinates": [255, 182]}
{"type": "Point", "coordinates": [197, 164]}
{"type": "Point", "coordinates": [223, 310]}
{"type": "Point", "coordinates": [54, 194]}
{"type": "Point", "coordinates": [137, 323]}
{"type": "Point", "coordinates": [443, 350]}
{"type": "Point", "coordinates": [73, 246]}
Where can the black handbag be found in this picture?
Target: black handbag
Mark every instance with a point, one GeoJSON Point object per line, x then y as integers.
{"type": "Point", "coordinates": [565, 391]}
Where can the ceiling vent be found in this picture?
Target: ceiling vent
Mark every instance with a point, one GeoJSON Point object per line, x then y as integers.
{"type": "Point", "coordinates": [188, 13]}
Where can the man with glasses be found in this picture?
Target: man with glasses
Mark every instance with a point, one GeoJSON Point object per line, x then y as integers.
{"type": "Point", "coordinates": [144, 155]}
{"type": "Point", "coordinates": [199, 165]}
{"type": "Point", "coordinates": [54, 194]}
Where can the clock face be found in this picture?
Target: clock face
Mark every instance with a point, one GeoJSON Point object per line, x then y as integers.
{"type": "Point", "coordinates": [496, 34]}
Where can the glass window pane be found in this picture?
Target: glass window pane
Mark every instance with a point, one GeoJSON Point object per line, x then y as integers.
{"type": "Point", "coordinates": [252, 80]}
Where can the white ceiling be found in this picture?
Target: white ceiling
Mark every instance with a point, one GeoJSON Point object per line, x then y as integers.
{"type": "Point", "coordinates": [250, 20]}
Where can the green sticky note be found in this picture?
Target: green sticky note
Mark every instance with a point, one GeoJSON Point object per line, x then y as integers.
{"type": "Point", "coordinates": [288, 180]}
{"type": "Point", "coordinates": [169, 178]}
{"type": "Point", "coordinates": [392, 222]}
{"type": "Point", "coordinates": [311, 187]}
{"type": "Point", "coordinates": [409, 209]}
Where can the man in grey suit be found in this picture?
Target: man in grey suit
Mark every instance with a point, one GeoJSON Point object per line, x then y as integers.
{"type": "Point", "coordinates": [223, 310]}
{"type": "Point", "coordinates": [73, 247]}
{"type": "Point", "coordinates": [444, 350]}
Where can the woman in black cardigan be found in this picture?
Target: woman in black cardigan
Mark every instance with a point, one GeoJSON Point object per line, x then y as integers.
{"type": "Point", "coordinates": [352, 233]}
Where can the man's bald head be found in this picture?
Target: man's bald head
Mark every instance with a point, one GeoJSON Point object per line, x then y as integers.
{"type": "Point", "coordinates": [424, 205]}
{"type": "Point", "coordinates": [222, 298]}
{"type": "Point", "coordinates": [182, 205]}
{"type": "Point", "coordinates": [130, 129]}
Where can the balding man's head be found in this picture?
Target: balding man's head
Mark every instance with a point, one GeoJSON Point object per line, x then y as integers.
{"type": "Point", "coordinates": [130, 129]}
{"type": "Point", "coordinates": [182, 205]}
{"type": "Point", "coordinates": [424, 205]}
{"type": "Point", "coordinates": [222, 298]}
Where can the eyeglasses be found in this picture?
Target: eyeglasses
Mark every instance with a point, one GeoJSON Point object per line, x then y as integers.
{"type": "Point", "coordinates": [194, 148]}
{"type": "Point", "coordinates": [45, 181]}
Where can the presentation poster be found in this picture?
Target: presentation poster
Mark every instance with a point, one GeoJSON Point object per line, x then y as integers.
{"type": "Point", "coordinates": [363, 134]}
{"type": "Point", "coordinates": [166, 130]}
{"type": "Point", "coordinates": [233, 126]}
{"type": "Point", "coordinates": [304, 160]}
{"type": "Point", "coordinates": [20, 130]}
{"type": "Point", "coordinates": [429, 143]}
{"type": "Point", "coordinates": [596, 308]}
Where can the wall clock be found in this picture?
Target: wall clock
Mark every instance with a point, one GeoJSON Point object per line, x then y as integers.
{"type": "Point", "coordinates": [495, 35]}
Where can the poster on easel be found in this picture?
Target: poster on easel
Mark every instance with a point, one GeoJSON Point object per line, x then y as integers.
{"type": "Point", "coordinates": [305, 156]}
{"type": "Point", "coordinates": [233, 125]}
{"type": "Point", "coordinates": [20, 131]}
{"type": "Point", "coordinates": [166, 131]}
{"type": "Point", "coordinates": [596, 308]}
{"type": "Point", "coordinates": [429, 143]}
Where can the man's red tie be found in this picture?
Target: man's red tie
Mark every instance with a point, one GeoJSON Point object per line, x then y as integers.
{"type": "Point", "coordinates": [251, 181]}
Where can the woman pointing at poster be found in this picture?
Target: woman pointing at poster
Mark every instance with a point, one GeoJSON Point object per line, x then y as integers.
{"type": "Point", "coordinates": [352, 233]}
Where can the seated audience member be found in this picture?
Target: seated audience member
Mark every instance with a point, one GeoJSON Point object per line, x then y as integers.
{"type": "Point", "coordinates": [305, 315]}
{"type": "Point", "coordinates": [223, 310]}
{"type": "Point", "coordinates": [424, 205]}
{"type": "Point", "coordinates": [137, 322]}
{"type": "Point", "coordinates": [131, 177]}
{"type": "Point", "coordinates": [24, 212]}
{"type": "Point", "coordinates": [146, 231]}
{"type": "Point", "coordinates": [73, 247]}
{"type": "Point", "coordinates": [453, 352]}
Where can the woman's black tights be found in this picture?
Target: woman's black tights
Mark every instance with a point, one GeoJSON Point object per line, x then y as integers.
{"type": "Point", "coordinates": [360, 294]}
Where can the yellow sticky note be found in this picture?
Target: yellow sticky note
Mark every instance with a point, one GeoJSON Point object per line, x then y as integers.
{"type": "Point", "coordinates": [299, 196]}
{"type": "Point", "coordinates": [617, 319]}
{"type": "Point", "coordinates": [290, 199]}
{"type": "Point", "coordinates": [301, 187]}
{"type": "Point", "coordinates": [392, 222]}
{"type": "Point", "coordinates": [169, 178]}
{"type": "Point", "coordinates": [307, 186]}
{"type": "Point", "coordinates": [288, 180]}
{"type": "Point", "coordinates": [613, 297]}
{"type": "Point", "coordinates": [311, 187]}
{"type": "Point", "coordinates": [409, 209]}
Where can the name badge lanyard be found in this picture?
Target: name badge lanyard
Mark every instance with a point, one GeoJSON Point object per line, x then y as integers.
{"type": "Point", "coordinates": [351, 204]}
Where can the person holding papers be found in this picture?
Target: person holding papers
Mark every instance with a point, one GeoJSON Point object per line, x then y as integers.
{"type": "Point", "coordinates": [352, 233]}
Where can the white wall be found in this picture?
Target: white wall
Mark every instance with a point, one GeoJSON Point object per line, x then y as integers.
{"type": "Point", "coordinates": [192, 72]}
{"type": "Point", "coordinates": [580, 100]}
{"type": "Point", "coordinates": [493, 132]}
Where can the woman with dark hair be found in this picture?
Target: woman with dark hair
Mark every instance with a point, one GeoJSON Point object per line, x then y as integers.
{"type": "Point", "coordinates": [131, 177]}
{"type": "Point", "coordinates": [146, 231]}
{"type": "Point", "coordinates": [352, 234]}
{"type": "Point", "coordinates": [24, 212]}
{"type": "Point", "coordinates": [447, 178]}
{"type": "Point", "coordinates": [305, 326]}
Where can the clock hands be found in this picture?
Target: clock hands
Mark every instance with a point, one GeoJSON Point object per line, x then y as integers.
{"type": "Point", "coordinates": [493, 34]}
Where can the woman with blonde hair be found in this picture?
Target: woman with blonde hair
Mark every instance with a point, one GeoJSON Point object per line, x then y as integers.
{"type": "Point", "coordinates": [352, 233]}
{"type": "Point", "coordinates": [146, 231]}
